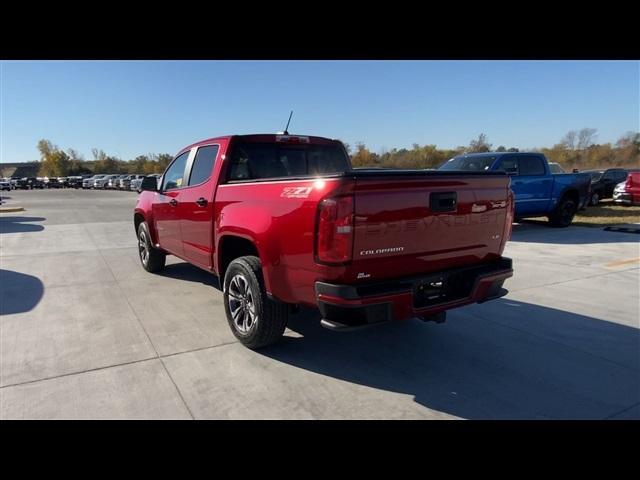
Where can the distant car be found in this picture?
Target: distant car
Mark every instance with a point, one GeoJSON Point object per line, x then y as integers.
{"type": "Point", "coordinates": [136, 182]}
{"type": "Point", "coordinates": [555, 168]}
{"type": "Point", "coordinates": [5, 186]}
{"type": "Point", "coordinates": [29, 183]}
{"type": "Point", "coordinates": [603, 183]}
{"type": "Point", "coordinates": [628, 192]}
{"type": "Point", "coordinates": [74, 181]}
{"type": "Point", "coordinates": [54, 182]}
{"type": "Point", "coordinates": [88, 182]}
{"type": "Point", "coordinates": [103, 182]}
{"type": "Point", "coordinates": [139, 184]}
{"type": "Point", "coordinates": [125, 183]}
{"type": "Point", "coordinates": [114, 181]}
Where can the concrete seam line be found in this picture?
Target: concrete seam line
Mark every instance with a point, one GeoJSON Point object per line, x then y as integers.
{"type": "Point", "coordinates": [199, 349]}
{"type": "Point", "coordinates": [114, 365]}
{"type": "Point", "coordinates": [621, 411]}
{"type": "Point", "coordinates": [184, 402]}
{"type": "Point", "coordinates": [80, 372]}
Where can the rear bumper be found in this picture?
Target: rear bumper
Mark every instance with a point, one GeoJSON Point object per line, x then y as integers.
{"type": "Point", "coordinates": [355, 306]}
{"type": "Point", "coordinates": [623, 197]}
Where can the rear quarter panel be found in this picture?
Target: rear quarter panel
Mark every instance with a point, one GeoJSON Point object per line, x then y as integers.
{"type": "Point", "coordinates": [565, 182]}
{"type": "Point", "coordinates": [278, 217]}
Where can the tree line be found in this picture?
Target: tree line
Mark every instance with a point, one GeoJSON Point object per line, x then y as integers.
{"type": "Point", "coordinates": [577, 149]}
{"type": "Point", "coordinates": [56, 162]}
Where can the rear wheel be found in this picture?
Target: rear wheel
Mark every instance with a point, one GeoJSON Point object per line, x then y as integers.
{"type": "Point", "coordinates": [152, 259]}
{"type": "Point", "coordinates": [563, 214]}
{"type": "Point", "coordinates": [254, 318]}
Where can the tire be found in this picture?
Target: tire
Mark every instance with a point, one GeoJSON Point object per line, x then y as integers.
{"type": "Point", "coordinates": [563, 214]}
{"type": "Point", "coordinates": [259, 321]}
{"type": "Point", "coordinates": [151, 258]}
{"type": "Point", "coordinates": [594, 200]}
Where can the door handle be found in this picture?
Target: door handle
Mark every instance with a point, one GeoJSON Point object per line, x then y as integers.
{"type": "Point", "coordinates": [173, 202]}
{"type": "Point", "coordinates": [202, 202]}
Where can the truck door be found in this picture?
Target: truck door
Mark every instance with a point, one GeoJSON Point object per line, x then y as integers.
{"type": "Point", "coordinates": [165, 205]}
{"type": "Point", "coordinates": [196, 207]}
{"type": "Point", "coordinates": [530, 182]}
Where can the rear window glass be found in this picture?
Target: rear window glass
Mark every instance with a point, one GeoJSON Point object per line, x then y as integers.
{"type": "Point", "coordinates": [252, 161]}
{"type": "Point", "coordinates": [471, 163]}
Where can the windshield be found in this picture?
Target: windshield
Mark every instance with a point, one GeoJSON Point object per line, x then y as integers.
{"type": "Point", "coordinates": [470, 163]}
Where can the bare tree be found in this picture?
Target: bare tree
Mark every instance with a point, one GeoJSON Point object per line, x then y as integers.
{"type": "Point", "coordinates": [586, 137]}
{"type": "Point", "coordinates": [480, 144]}
{"type": "Point", "coordinates": [569, 140]}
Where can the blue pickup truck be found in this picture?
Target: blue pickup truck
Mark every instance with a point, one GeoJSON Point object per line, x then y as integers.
{"type": "Point", "coordinates": [538, 192]}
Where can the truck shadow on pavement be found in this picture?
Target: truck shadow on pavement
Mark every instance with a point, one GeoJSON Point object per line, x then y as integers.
{"type": "Point", "coordinates": [19, 292]}
{"type": "Point", "coordinates": [190, 273]}
{"type": "Point", "coordinates": [532, 362]}
{"type": "Point", "coordinates": [13, 224]}
{"type": "Point", "coordinates": [532, 231]}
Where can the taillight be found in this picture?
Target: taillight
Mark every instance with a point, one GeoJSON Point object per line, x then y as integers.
{"type": "Point", "coordinates": [335, 230]}
{"type": "Point", "coordinates": [510, 215]}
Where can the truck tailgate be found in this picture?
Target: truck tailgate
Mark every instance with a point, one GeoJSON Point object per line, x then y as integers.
{"type": "Point", "coordinates": [415, 223]}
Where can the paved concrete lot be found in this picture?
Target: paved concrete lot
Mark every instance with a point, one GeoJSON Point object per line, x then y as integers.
{"type": "Point", "coordinates": [86, 333]}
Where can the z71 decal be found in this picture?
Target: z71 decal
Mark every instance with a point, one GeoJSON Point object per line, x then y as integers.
{"type": "Point", "coordinates": [296, 192]}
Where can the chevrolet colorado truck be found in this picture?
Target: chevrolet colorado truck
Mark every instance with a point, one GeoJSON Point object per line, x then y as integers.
{"type": "Point", "coordinates": [538, 192]}
{"type": "Point", "coordinates": [285, 221]}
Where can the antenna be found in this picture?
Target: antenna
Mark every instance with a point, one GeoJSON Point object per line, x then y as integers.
{"type": "Point", "coordinates": [286, 129]}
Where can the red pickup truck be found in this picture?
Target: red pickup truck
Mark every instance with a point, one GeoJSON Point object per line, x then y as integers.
{"type": "Point", "coordinates": [284, 221]}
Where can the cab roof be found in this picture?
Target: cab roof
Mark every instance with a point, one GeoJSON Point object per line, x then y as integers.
{"type": "Point", "coordinates": [260, 137]}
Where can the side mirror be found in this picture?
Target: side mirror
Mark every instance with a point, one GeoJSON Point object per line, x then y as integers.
{"type": "Point", "coordinates": [150, 184]}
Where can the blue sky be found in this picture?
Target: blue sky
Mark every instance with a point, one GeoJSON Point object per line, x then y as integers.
{"type": "Point", "coordinates": [129, 108]}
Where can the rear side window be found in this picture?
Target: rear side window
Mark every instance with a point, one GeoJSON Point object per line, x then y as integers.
{"type": "Point", "coordinates": [175, 173]}
{"type": "Point", "coordinates": [509, 165]}
{"type": "Point", "coordinates": [254, 161]}
{"type": "Point", "coordinates": [469, 163]}
{"type": "Point", "coordinates": [530, 165]}
{"type": "Point", "coordinates": [203, 164]}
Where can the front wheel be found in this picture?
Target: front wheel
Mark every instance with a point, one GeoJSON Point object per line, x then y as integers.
{"type": "Point", "coordinates": [254, 318]}
{"type": "Point", "coordinates": [563, 214]}
{"type": "Point", "coordinates": [152, 259]}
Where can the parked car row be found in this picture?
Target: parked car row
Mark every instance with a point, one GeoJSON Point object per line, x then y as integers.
{"type": "Point", "coordinates": [101, 181]}
{"type": "Point", "coordinates": [604, 182]}
{"type": "Point", "coordinates": [105, 181]}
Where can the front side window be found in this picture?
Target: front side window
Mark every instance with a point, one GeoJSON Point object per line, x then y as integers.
{"type": "Point", "coordinates": [203, 164]}
{"type": "Point", "coordinates": [174, 175]}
